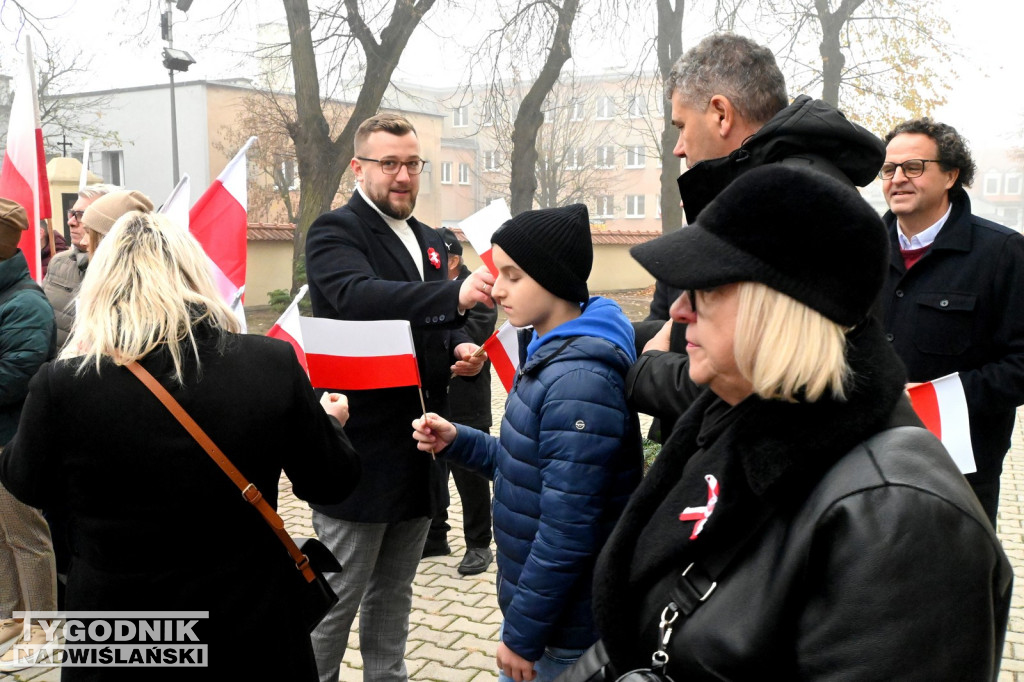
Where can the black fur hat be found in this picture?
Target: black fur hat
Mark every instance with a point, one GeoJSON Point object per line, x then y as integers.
{"type": "Point", "coordinates": [798, 231]}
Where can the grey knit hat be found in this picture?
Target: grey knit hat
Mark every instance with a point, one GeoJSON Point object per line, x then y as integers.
{"type": "Point", "coordinates": [553, 246]}
{"type": "Point", "coordinates": [104, 212]}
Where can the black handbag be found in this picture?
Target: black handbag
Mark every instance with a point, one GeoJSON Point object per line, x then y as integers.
{"type": "Point", "coordinates": [314, 595]}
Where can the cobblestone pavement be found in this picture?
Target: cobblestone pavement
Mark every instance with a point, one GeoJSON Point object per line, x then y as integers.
{"type": "Point", "coordinates": [455, 619]}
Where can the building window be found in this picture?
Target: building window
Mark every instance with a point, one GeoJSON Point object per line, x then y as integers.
{"type": "Point", "coordinates": [637, 106]}
{"type": "Point", "coordinates": [634, 205]}
{"type": "Point", "coordinates": [287, 174]}
{"type": "Point", "coordinates": [460, 117]}
{"type": "Point", "coordinates": [574, 158]}
{"type": "Point", "coordinates": [636, 156]}
{"type": "Point", "coordinates": [492, 160]}
{"type": "Point", "coordinates": [463, 173]}
{"type": "Point", "coordinates": [1011, 218]}
{"type": "Point", "coordinates": [604, 206]}
{"type": "Point", "coordinates": [605, 108]}
{"type": "Point", "coordinates": [992, 183]}
{"type": "Point", "coordinates": [446, 173]}
{"type": "Point", "coordinates": [605, 157]}
{"type": "Point", "coordinates": [109, 165]}
{"type": "Point", "coordinates": [488, 116]}
{"type": "Point", "coordinates": [659, 206]}
{"type": "Point", "coordinates": [1013, 184]}
{"type": "Point", "coordinates": [577, 110]}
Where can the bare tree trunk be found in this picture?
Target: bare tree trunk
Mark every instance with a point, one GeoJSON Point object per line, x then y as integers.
{"type": "Point", "coordinates": [832, 58]}
{"type": "Point", "coordinates": [523, 184]}
{"type": "Point", "coordinates": [670, 48]}
{"type": "Point", "coordinates": [321, 160]}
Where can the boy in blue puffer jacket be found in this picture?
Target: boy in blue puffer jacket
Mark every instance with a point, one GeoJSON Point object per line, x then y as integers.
{"type": "Point", "coordinates": [569, 454]}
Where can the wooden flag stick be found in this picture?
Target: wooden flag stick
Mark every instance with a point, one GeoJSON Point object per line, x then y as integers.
{"type": "Point", "coordinates": [423, 404]}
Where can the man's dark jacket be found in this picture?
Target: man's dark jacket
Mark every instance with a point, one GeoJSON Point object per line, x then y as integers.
{"type": "Point", "coordinates": [807, 133]}
{"type": "Point", "coordinates": [470, 397]}
{"type": "Point", "coordinates": [960, 308]}
{"type": "Point", "coordinates": [359, 269]}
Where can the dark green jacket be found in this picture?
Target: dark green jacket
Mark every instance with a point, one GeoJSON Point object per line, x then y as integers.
{"type": "Point", "coordinates": [28, 338]}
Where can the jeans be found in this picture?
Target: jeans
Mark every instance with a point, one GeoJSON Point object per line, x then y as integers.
{"type": "Point", "coordinates": [553, 662]}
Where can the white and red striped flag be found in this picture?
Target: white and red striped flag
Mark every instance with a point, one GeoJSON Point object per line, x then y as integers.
{"type": "Point", "coordinates": [942, 406]}
{"type": "Point", "coordinates": [23, 174]}
{"type": "Point", "coordinates": [287, 328]}
{"type": "Point", "coordinates": [349, 355]}
{"type": "Point", "coordinates": [479, 227]}
{"type": "Point", "coordinates": [219, 221]}
{"type": "Point", "coordinates": [503, 350]}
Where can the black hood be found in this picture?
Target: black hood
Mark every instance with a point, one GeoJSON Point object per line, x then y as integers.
{"type": "Point", "coordinates": [808, 133]}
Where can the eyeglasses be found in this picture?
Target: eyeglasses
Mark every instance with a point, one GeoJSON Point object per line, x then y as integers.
{"type": "Point", "coordinates": [912, 168]}
{"type": "Point", "coordinates": [392, 166]}
{"type": "Point", "coordinates": [77, 215]}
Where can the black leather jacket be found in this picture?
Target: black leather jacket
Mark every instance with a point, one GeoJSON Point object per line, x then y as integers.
{"type": "Point", "coordinates": [876, 561]}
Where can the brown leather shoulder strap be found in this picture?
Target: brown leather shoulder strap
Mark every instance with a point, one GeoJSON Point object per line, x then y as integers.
{"type": "Point", "coordinates": [250, 492]}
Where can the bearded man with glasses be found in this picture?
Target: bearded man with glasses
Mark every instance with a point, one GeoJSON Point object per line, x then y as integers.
{"type": "Point", "coordinates": [371, 260]}
{"type": "Point", "coordinates": [954, 295]}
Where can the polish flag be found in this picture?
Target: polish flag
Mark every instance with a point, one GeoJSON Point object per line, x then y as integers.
{"type": "Point", "coordinates": [350, 355]}
{"type": "Point", "coordinates": [287, 327]}
{"type": "Point", "coordinates": [219, 221]}
{"type": "Point", "coordinates": [503, 350]}
{"type": "Point", "coordinates": [176, 205]}
{"type": "Point", "coordinates": [942, 406]}
{"type": "Point", "coordinates": [23, 174]}
{"type": "Point", "coordinates": [479, 227]}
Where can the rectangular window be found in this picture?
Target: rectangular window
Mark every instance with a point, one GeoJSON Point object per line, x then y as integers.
{"type": "Point", "coordinates": [605, 157]}
{"type": "Point", "coordinates": [492, 160]}
{"type": "Point", "coordinates": [109, 165]}
{"type": "Point", "coordinates": [488, 116]}
{"type": "Point", "coordinates": [605, 108]}
{"type": "Point", "coordinates": [577, 110]}
{"type": "Point", "coordinates": [446, 173]}
{"type": "Point", "coordinates": [637, 106]}
{"type": "Point", "coordinates": [604, 206]}
{"type": "Point", "coordinates": [1013, 183]}
{"type": "Point", "coordinates": [636, 157]}
{"type": "Point", "coordinates": [463, 173]}
{"type": "Point", "coordinates": [992, 183]}
{"type": "Point", "coordinates": [460, 117]}
{"type": "Point", "coordinates": [634, 205]}
{"type": "Point", "coordinates": [574, 158]}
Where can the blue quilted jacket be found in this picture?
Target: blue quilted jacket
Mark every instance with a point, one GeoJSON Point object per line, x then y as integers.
{"type": "Point", "coordinates": [568, 457]}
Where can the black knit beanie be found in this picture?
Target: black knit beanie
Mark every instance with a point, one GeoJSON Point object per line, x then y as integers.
{"type": "Point", "coordinates": [798, 231]}
{"type": "Point", "coordinates": [553, 246]}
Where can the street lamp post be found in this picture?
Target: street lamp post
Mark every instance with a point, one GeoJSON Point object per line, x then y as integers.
{"type": "Point", "coordinates": [174, 60]}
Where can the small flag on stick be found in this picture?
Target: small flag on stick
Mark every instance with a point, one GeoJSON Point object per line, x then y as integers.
{"type": "Point", "coordinates": [942, 406]}
{"type": "Point", "coordinates": [503, 350]}
{"type": "Point", "coordinates": [479, 227]}
{"type": "Point", "coordinates": [287, 328]}
{"type": "Point", "coordinates": [356, 356]}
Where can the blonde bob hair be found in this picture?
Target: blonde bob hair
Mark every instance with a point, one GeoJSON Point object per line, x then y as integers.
{"type": "Point", "coordinates": [787, 350]}
{"type": "Point", "coordinates": [148, 286]}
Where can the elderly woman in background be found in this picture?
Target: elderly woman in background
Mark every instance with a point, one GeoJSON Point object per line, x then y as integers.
{"type": "Point", "coordinates": [155, 525]}
{"type": "Point", "coordinates": [798, 524]}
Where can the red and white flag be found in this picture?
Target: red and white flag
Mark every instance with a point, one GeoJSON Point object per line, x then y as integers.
{"type": "Point", "coordinates": [287, 328]}
{"type": "Point", "coordinates": [23, 174]}
{"type": "Point", "coordinates": [479, 227]}
{"type": "Point", "coordinates": [503, 350]}
{"type": "Point", "coordinates": [351, 355]}
{"type": "Point", "coordinates": [219, 221]}
{"type": "Point", "coordinates": [942, 406]}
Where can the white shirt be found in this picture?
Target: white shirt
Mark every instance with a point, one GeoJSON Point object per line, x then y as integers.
{"type": "Point", "coordinates": [400, 228]}
{"type": "Point", "coordinates": [921, 239]}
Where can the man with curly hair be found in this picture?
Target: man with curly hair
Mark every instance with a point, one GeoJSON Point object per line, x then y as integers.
{"type": "Point", "coordinates": [953, 297]}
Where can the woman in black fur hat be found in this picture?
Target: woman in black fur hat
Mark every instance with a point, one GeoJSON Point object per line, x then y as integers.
{"type": "Point", "coordinates": [799, 523]}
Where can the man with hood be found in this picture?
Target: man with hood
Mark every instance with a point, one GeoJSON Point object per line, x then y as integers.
{"type": "Point", "coordinates": [730, 104]}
